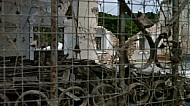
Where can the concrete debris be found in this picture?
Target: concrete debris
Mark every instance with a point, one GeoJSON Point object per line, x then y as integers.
{"type": "Point", "coordinates": [72, 81]}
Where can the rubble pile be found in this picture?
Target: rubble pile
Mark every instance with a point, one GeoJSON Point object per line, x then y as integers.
{"type": "Point", "coordinates": [27, 82]}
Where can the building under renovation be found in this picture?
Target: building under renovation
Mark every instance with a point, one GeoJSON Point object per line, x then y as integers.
{"type": "Point", "coordinates": [55, 53]}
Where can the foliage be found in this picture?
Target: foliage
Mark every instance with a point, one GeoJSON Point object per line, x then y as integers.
{"type": "Point", "coordinates": [153, 16]}
{"type": "Point", "coordinates": [130, 27]}
{"type": "Point", "coordinates": [111, 22]}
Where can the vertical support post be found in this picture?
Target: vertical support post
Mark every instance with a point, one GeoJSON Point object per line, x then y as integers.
{"type": "Point", "coordinates": [144, 6]}
{"type": "Point", "coordinates": [175, 29]}
{"type": "Point", "coordinates": [54, 16]}
{"type": "Point", "coordinates": [175, 36]}
{"type": "Point", "coordinates": [122, 57]}
{"type": "Point", "coordinates": [176, 54]}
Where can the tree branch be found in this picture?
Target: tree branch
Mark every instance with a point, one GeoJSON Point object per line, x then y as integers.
{"type": "Point", "coordinates": [142, 28]}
